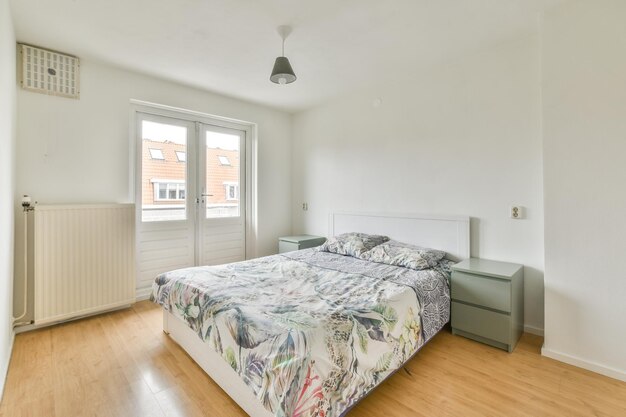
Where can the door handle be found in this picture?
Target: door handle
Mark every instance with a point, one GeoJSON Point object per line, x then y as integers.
{"type": "Point", "coordinates": [206, 195]}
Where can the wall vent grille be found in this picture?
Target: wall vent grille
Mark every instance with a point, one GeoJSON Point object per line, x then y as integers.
{"type": "Point", "coordinates": [48, 72]}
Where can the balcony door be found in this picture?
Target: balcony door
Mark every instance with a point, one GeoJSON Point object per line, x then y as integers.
{"type": "Point", "coordinates": [222, 219]}
{"type": "Point", "coordinates": [189, 193]}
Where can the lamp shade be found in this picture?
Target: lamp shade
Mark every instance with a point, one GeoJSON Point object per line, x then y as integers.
{"type": "Point", "coordinates": [282, 72]}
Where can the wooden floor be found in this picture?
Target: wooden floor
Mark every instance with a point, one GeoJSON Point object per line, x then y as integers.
{"type": "Point", "coordinates": [121, 364]}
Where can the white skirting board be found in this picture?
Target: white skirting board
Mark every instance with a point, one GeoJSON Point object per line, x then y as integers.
{"type": "Point", "coordinates": [533, 330]}
{"type": "Point", "coordinates": [5, 366]}
{"type": "Point", "coordinates": [142, 294]}
{"type": "Point", "coordinates": [582, 363]}
{"type": "Point", "coordinates": [214, 365]}
{"type": "Point", "coordinates": [29, 327]}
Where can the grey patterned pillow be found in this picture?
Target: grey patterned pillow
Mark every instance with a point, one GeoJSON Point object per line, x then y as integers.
{"type": "Point", "coordinates": [402, 254]}
{"type": "Point", "coordinates": [352, 244]}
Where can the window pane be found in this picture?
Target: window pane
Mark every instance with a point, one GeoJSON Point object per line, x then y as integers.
{"type": "Point", "coordinates": [162, 171]}
{"type": "Point", "coordinates": [156, 153]}
{"type": "Point", "coordinates": [222, 175]}
{"type": "Point", "coordinates": [162, 191]}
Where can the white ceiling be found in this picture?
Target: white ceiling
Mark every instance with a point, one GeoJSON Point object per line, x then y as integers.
{"type": "Point", "coordinates": [229, 46]}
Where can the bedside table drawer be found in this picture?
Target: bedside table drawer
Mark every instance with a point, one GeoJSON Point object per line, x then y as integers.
{"type": "Point", "coordinates": [486, 292]}
{"type": "Point", "coordinates": [485, 323]}
{"type": "Point", "coordinates": [287, 247]}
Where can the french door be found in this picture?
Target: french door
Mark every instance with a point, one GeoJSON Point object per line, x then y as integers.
{"type": "Point", "coordinates": [189, 193]}
{"type": "Point", "coordinates": [222, 191]}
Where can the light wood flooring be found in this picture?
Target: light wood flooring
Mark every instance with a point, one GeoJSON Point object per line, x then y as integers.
{"type": "Point", "coordinates": [122, 364]}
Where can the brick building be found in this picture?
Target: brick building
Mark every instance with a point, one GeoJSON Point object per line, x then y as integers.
{"type": "Point", "coordinates": [164, 169]}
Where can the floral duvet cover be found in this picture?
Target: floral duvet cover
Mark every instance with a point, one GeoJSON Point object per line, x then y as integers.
{"type": "Point", "coordinates": [309, 332]}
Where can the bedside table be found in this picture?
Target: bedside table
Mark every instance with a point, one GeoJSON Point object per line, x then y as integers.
{"type": "Point", "coordinates": [291, 243]}
{"type": "Point", "coordinates": [488, 302]}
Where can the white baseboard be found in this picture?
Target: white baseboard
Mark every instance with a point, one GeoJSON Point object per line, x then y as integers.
{"type": "Point", "coordinates": [533, 330]}
{"type": "Point", "coordinates": [29, 327]}
{"type": "Point", "coordinates": [143, 293]}
{"type": "Point", "coordinates": [5, 366]}
{"type": "Point", "coordinates": [585, 364]}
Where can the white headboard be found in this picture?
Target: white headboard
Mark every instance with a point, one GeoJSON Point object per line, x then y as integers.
{"type": "Point", "coordinates": [450, 234]}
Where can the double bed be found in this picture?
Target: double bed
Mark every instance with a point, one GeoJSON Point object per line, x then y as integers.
{"type": "Point", "coordinates": [310, 333]}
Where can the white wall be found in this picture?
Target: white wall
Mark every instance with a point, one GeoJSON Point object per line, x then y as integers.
{"type": "Point", "coordinates": [584, 119]}
{"type": "Point", "coordinates": [7, 183]}
{"type": "Point", "coordinates": [461, 139]}
{"type": "Point", "coordinates": [76, 151]}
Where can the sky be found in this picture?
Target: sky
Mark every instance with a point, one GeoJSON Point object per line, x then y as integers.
{"type": "Point", "coordinates": [160, 132]}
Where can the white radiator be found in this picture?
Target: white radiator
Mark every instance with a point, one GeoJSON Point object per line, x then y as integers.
{"type": "Point", "coordinates": [84, 260]}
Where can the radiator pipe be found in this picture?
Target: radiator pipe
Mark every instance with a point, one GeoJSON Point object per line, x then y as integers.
{"type": "Point", "coordinates": [26, 208]}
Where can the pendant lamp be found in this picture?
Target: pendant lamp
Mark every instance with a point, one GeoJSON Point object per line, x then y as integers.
{"type": "Point", "coordinates": [283, 72]}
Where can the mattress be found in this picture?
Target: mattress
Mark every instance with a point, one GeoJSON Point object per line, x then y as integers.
{"type": "Point", "coordinates": [309, 332]}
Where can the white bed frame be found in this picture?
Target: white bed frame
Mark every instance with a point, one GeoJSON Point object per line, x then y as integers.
{"type": "Point", "coordinates": [446, 233]}
{"type": "Point", "coordinates": [214, 365]}
{"type": "Point", "coordinates": [450, 234]}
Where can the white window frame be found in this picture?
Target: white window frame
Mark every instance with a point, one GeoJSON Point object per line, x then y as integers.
{"type": "Point", "coordinates": [227, 186]}
{"type": "Point", "coordinates": [251, 139]}
{"type": "Point", "coordinates": [157, 182]}
{"type": "Point", "coordinates": [152, 155]}
{"type": "Point", "coordinates": [178, 153]}
{"type": "Point", "coordinates": [227, 164]}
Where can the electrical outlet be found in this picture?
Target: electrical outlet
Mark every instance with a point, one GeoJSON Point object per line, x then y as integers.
{"type": "Point", "coordinates": [517, 212]}
{"type": "Point", "coordinates": [305, 206]}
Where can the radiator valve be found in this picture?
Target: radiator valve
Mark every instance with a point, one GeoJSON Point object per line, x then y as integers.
{"type": "Point", "coordinates": [26, 203]}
